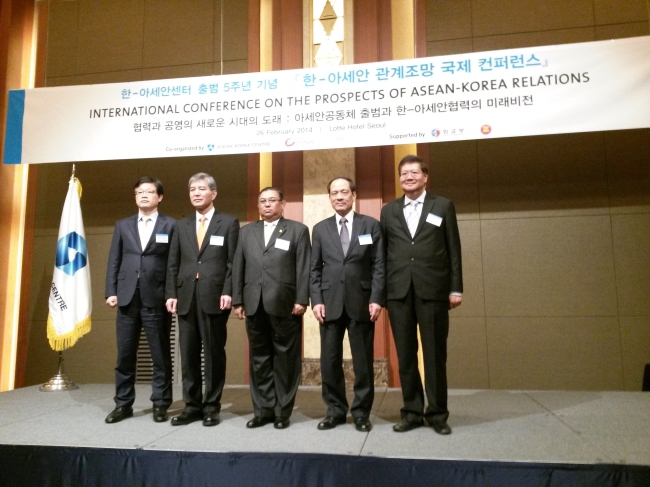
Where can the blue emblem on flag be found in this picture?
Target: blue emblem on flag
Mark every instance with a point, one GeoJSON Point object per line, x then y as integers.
{"type": "Point", "coordinates": [71, 253]}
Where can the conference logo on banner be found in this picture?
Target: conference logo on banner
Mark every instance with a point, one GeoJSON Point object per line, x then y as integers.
{"type": "Point", "coordinates": [70, 303]}
{"type": "Point", "coordinates": [592, 86]}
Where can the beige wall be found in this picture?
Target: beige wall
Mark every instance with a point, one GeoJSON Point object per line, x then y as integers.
{"type": "Point", "coordinates": [106, 41]}
{"type": "Point", "coordinates": [555, 229]}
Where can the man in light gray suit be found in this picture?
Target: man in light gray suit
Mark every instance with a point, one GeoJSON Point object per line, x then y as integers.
{"type": "Point", "coordinates": [347, 286]}
{"type": "Point", "coordinates": [271, 291]}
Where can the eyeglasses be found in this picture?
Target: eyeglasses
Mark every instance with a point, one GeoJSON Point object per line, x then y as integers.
{"type": "Point", "coordinates": [143, 192]}
{"type": "Point", "coordinates": [270, 201]}
{"type": "Point", "coordinates": [414, 173]}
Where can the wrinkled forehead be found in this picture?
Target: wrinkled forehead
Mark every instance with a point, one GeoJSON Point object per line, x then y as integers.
{"type": "Point", "coordinates": [200, 183]}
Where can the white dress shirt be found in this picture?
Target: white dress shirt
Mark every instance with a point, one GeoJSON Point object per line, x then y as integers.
{"type": "Point", "coordinates": [348, 223]}
{"type": "Point", "coordinates": [413, 215]}
{"type": "Point", "coordinates": [145, 227]}
{"type": "Point", "coordinates": [269, 228]}
{"type": "Point", "coordinates": [208, 217]}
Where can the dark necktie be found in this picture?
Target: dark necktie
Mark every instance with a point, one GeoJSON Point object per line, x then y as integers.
{"type": "Point", "coordinates": [345, 236]}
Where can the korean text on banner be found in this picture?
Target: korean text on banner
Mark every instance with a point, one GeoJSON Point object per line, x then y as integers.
{"type": "Point", "coordinates": [70, 302]}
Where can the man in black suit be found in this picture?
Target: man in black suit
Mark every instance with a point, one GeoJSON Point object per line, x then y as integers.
{"type": "Point", "coordinates": [424, 281]}
{"type": "Point", "coordinates": [135, 283]}
{"type": "Point", "coordinates": [271, 290]}
{"type": "Point", "coordinates": [347, 285]}
{"type": "Point", "coordinates": [199, 290]}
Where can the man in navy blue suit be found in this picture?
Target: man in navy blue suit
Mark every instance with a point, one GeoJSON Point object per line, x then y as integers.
{"type": "Point", "coordinates": [135, 283]}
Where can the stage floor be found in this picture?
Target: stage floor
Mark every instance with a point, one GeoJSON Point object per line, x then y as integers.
{"type": "Point", "coordinates": [488, 425]}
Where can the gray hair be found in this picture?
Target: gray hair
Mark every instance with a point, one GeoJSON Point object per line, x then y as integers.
{"type": "Point", "coordinates": [203, 176]}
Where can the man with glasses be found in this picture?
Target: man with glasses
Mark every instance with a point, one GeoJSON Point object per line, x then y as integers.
{"type": "Point", "coordinates": [135, 283]}
{"type": "Point", "coordinates": [271, 291]}
{"type": "Point", "coordinates": [424, 281]}
{"type": "Point", "coordinates": [199, 290]}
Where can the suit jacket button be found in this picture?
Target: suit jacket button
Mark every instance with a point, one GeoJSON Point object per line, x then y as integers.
{"type": "Point", "coordinates": [412, 258]}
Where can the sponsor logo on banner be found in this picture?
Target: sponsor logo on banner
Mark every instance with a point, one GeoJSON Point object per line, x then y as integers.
{"type": "Point", "coordinates": [486, 129]}
{"type": "Point", "coordinates": [210, 147]}
{"type": "Point", "coordinates": [435, 133]}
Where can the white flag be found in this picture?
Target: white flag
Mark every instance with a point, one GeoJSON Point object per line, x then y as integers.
{"type": "Point", "coordinates": [70, 297]}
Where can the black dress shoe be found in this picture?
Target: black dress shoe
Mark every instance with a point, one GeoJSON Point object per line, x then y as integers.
{"type": "Point", "coordinates": [211, 419]}
{"type": "Point", "coordinates": [331, 422]}
{"type": "Point", "coordinates": [406, 425]}
{"type": "Point", "coordinates": [440, 427]}
{"type": "Point", "coordinates": [281, 423]}
{"type": "Point", "coordinates": [362, 424]}
{"type": "Point", "coordinates": [258, 421]}
{"type": "Point", "coordinates": [118, 414]}
{"type": "Point", "coordinates": [186, 418]}
{"type": "Point", "coordinates": [160, 414]}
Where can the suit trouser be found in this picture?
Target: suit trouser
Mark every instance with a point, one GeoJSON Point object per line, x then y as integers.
{"type": "Point", "coordinates": [433, 317]}
{"type": "Point", "coordinates": [362, 336]}
{"type": "Point", "coordinates": [275, 344]}
{"type": "Point", "coordinates": [210, 330]}
{"type": "Point", "coordinates": [131, 319]}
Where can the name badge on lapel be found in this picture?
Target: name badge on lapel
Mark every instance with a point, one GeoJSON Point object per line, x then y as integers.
{"type": "Point", "coordinates": [216, 240]}
{"type": "Point", "coordinates": [434, 219]}
{"type": "Point", "coordinates": [282, 244]}
{"type": "Point", "coordinates": [365, 239]}
{"type": "Point", "coordinates": [162, 238]}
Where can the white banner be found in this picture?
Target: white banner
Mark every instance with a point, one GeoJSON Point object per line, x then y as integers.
{"type": "Point", "coordinates": [70, 301]}
{"type": "Point", "coordinates": [585, 87]}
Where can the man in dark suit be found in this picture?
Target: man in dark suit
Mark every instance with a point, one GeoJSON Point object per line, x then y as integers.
{"type": "Point", "coordinates": [424, 281]}
{"type": "Point", "coordinates": [347, 286]}
{"type": "Point", "coordinates": [199, 290]}
{"type": "Point", "coordinates": [271, 290]}
{"type": "Point", "coordinates": [135, 283]}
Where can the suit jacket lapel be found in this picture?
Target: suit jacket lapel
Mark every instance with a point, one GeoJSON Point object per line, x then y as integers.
{"type": "Point", "coordinates": [399, 209]}
{"type": "Point", "coordinates": [357, 225]}
{"type": "Point", "coordinates": [191, 233]}
{"type": "Point", "coordinates": [133, 228]}
{"type": "Point", "coordinates": [258, 230]}
{"type": "Point", "coordinates": [334, 233]}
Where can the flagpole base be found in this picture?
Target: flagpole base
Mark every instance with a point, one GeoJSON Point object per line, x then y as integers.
{"type": "Point", "coordinates": [59, 382]}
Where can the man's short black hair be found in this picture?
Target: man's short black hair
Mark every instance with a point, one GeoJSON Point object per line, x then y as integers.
{"type": "Point", "coordinates": [271, 188]}
{"type": "Point", "coordinates": [410, 159]}
{"type": "Point", "coordinates": [147, 179]}
{"type": "Point", "coordinates": [353, 187]}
